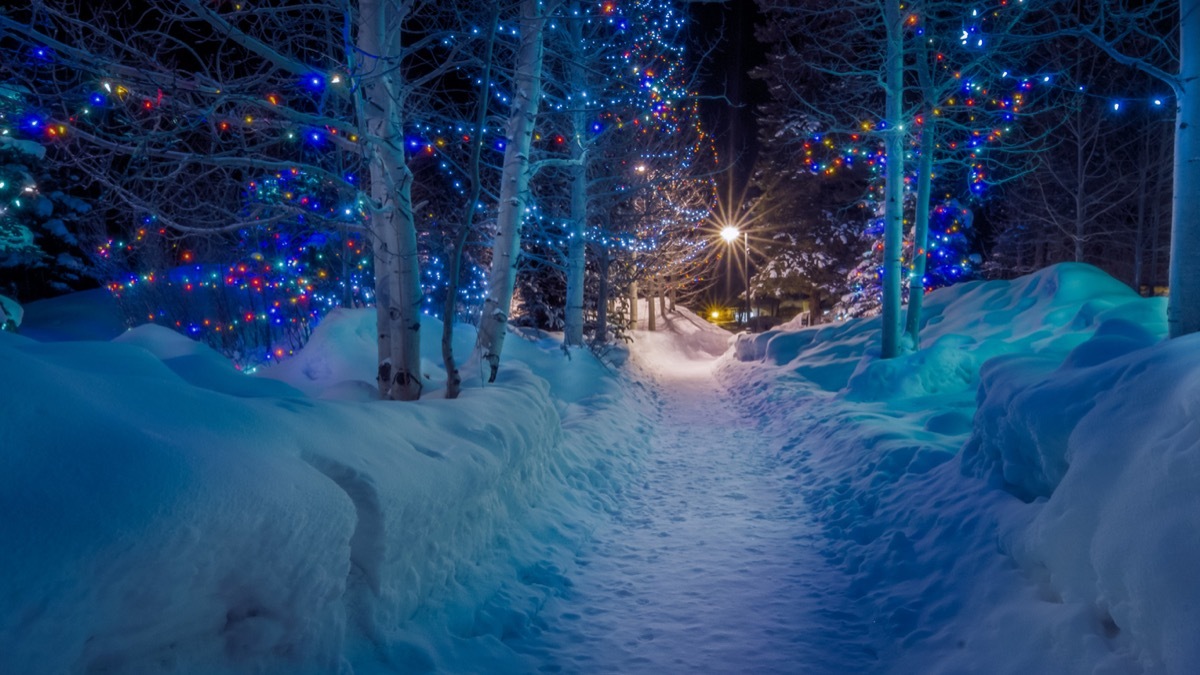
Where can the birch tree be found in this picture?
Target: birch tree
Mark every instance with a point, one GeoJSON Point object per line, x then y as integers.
{"type": "Point", "coordinates": [1162, 39]}
{"type": "Point", "coordinates": [514, 184]}
{"type": "Point", "coordinates": [190, 101]}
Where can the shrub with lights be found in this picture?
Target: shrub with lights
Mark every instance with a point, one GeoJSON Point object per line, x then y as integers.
{"type": "Point", "coordinates": [253, 296]}
{"type": "Point", "coordinates": [952, 258]}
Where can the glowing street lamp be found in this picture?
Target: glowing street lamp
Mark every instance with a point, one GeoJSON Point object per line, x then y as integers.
{"type": "Point", "coordinates": [730, 234]}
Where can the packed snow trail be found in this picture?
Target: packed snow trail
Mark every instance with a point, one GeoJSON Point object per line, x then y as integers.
{"type": "Point", "coordinates": [713, 566]}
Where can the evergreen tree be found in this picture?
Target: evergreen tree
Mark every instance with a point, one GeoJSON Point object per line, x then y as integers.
{"type": "Point", "coordinates": [44, 236]}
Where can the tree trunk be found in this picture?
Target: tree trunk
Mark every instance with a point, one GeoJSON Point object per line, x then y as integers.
{"type": "Point", "coordinates": [1156, 220]}
{"type": "Point", "coordinates": [383, 244]}
{"type": "Point", "coordinates": [672, 293]}
{"type": "Point", "coordinates": [454, 272]}
{"type": "Point", "coordinates": [406, 376]}
{"type": "Point", "coordinates": [576, 261]}
{"type": "Point", "coordinates": [651, 290]}
{"type": "Point", "coordinates": [633, 305]}
{"type": "Point", "coordinates": [514, 184]}
{"type": "Point", "coordinates": [347, 287]}
{"type": "Point", "coordinates": [394, 234]}
{"type": "Point", "coordinates": [916, 280]}
{"type": "Point", "coordinates": [576, 250]}
{"type": "Point", "coordinates": [662, 299]}
{"type": "Point", "coordinates": [893, 205]}
{"type": "Point", "coordinates": [1140, 216]}
{"type": "Point", "coordinates": [601, 335]}
{"type": "Point", "coordinates": [1183, 304]}
{"type": "Point", "coordinates": [1081, 168]}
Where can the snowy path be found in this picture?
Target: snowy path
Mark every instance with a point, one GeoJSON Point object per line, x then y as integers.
{"type": "Point", "coordinates": [713, 566]}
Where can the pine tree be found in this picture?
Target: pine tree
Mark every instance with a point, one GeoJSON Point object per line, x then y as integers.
{"type": "Point", "coordinates": [43, 235]}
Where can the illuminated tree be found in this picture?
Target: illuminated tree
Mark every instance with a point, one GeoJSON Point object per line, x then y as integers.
{"type": "Point", "coordinates": [514, 183]}
{"type": "Point", "coordinates": [176, 109]}
{"type": "Point", "coordinates": [1161, 38]}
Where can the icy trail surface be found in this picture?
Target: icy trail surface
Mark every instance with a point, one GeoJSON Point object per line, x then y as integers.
{"type": "Point", "coordinates": [713, 565]}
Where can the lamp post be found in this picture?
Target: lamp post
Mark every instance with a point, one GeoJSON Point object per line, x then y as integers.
{"type": "Point", "coordinates": [730, 234]}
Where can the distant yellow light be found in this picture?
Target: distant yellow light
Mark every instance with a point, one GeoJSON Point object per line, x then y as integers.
{"type": "Point", "coordinates": [715, 314]}
{"type": "Point", "coordinates": [729, 233]}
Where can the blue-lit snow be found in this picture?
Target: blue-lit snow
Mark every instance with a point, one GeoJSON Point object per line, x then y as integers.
{"type": "Point", "coordinates": [1020, 495]}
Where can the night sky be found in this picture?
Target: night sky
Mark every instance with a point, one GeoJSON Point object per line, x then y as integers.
{"type": "Point", "coordinates": [730, 96]}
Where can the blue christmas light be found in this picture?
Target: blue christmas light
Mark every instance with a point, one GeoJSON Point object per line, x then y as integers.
{"type": "Point", "coordinates": [315, 82]}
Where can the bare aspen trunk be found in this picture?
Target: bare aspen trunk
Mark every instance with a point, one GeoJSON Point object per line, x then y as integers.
{"type": "Point", "coordinates": [651, 289]}
{"type": "Point", "coordinates": [1080, 203]}
{"type": "Point", "coordinates": [576, 262]}
{"type": "Point", "coordinates": [382, 246]}
{"type": "Point", "coordinates": [633, 305]}
{"type": "Point", "coordinates": [602, 300]}
{"type": "Point", "coordinates": [920, 254]}
{"type": "Point", "coordinates": [662, 298]}
{"type": "Point", "coordinates": [453, 376]}
{"type": "Point", "coordinates": [406, 376]}
{"type": "Point", "coordinates": [672, 293]}
{"type": "Point", "coordinates": [514, 184]}
{"type": "Point", "coordinates": [1183, 304]}
{"type": "Point", "coordinates": [347, 289]}
{"type": "Point", "coordinates": [576, 250]}
{"type": "Point", "coordinates": [893, 205]}
{"type": "Point", "coordinates": [394, 235]}
{"type": "Point", "coordinates": [1141, 216]}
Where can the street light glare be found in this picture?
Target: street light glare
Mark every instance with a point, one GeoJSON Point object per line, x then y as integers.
{"type": "Point", "coordinates": [730, 233]}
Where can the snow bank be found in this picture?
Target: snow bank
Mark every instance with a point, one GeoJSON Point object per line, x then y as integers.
{"type": "Point", "coordinates": [1030, 404]}
{"type": "Point", "coordinates": [962, 326]}
{"type": "Point", "coordinates": [164, 512]}
{"type": "Point", "coordinates": [1110, 438]}
{"type": "Point", "coordinates": [87, 315]}
{"type": "Point", "coordinates": [1080, 409]}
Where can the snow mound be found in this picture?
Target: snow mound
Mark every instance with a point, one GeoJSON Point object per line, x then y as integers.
{"type": "Point", "coordinates": [1028, 406]}
{"type": "Point", "coordinates": [199, 365]}
{"type": "Point", "coordinates": [1066, 381]}
{"type": "Point", "coordinates": [340, 353]}
{"type": "Point", "coordinates": [87, 315]}
{"type": "Point", "coordinates": [1117, 536]}
{"type": "Point", "coordinates": [1051, 311]}
{"type": "Point", "coordinates": [166, 513]}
